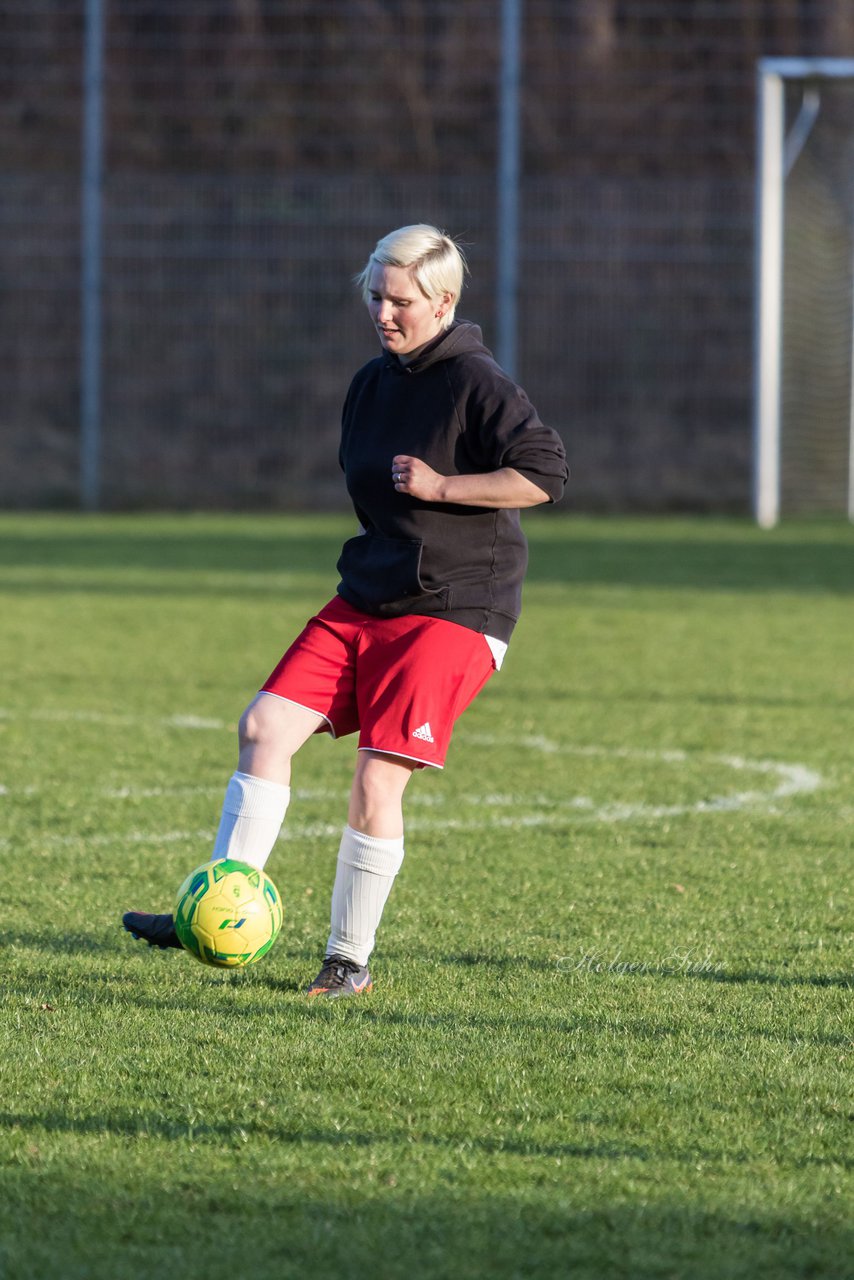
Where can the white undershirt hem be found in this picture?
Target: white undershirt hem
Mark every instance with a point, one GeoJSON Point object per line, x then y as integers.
{"type": "Point", "coordinates": [498, 649]}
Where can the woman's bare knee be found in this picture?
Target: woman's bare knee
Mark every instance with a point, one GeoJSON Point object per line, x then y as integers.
{"type": "Point", "coordinates": [377, 794]}
{"type": "Point", "coordinates": [270, 732]}
{"type": "Point", "coordinates": [254, 725]}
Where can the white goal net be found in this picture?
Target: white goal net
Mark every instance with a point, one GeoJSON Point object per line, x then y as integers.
{"type": "Point", "coordinates": [805, 295]}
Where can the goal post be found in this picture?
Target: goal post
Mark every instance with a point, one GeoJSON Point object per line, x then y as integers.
{"type": "Point", "coordinates": [782, 135]}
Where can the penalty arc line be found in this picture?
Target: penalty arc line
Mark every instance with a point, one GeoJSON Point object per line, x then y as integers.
{"type": "Point", "coordinates": [794, 779]}
{"type": "Point", "coordinates": [791, 780]}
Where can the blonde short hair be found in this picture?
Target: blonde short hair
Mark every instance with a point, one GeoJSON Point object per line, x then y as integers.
{"type": "Point", "coordinates": [435, 260]}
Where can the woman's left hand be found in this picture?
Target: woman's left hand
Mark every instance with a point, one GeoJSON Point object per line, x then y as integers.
{"type": "Point", "coordinates": [499, 489]}
{"type": "Point", "coordinates": [412, 476]}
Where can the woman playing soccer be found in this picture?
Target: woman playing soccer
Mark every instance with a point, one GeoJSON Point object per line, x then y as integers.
{"type": "Point", "coordinates": [440, 450]}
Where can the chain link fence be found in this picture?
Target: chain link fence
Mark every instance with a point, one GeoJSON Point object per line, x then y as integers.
{"type": "Point", "coordinates": [254, 151]}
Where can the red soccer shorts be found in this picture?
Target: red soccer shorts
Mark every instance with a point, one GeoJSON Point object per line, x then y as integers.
{"type": "Point", "coordinates": [402, 682]}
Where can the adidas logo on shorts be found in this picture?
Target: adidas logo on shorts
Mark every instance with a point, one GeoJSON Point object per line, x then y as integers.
{"type": "Point", "coordinates": [423, 733]}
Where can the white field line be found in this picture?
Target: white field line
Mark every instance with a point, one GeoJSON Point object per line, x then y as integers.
{"type": "Point", "coordinates": [59, 715]}
{"type": "Point", "coordinates": [795, 778]}
{"type": "Point", "coordinates": [241, 579]}
{"type": "Point", "coordinates": [218, 789]}
{"type": "Point", "coordinates": [526, 811]}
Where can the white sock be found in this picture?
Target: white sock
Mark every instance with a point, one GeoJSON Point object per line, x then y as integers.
{"type": "Point", "coordinates": [365, 873]}
{"type": "Point", "coordinates": [252, 815]}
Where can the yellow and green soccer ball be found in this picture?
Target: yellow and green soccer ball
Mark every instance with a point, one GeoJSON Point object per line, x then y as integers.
{"type": "Point", "coordinates": [228, 913]}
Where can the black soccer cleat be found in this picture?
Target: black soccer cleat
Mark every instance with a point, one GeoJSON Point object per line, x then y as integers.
{"type": "Point", "coordinates": [157, 931]}
{"type": "Point", "coordinates": [341, 977]}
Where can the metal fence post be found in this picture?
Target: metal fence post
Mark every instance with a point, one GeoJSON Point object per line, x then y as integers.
{"type": "Point", "coordinates": [507, 255]}
{"type": "Point", "coordinates": [91, 257]}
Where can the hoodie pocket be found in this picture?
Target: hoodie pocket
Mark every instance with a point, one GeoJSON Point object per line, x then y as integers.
{"type": "Point", "coordinates": [383, 574]}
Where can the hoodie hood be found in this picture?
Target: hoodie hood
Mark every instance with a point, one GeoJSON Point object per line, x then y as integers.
{"type": "Point", "coordinates": [461, 338]}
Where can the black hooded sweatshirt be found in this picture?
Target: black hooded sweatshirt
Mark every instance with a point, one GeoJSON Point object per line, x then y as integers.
{"type": "Point", "coordinates": [454, 408]}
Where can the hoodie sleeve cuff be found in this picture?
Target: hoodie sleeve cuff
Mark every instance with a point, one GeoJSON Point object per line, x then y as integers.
{"type": "Point", "coordinates": [551, 484]}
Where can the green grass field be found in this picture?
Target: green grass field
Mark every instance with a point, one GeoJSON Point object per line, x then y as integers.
{"type": "Point", "coordinates": [611, 1029]}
